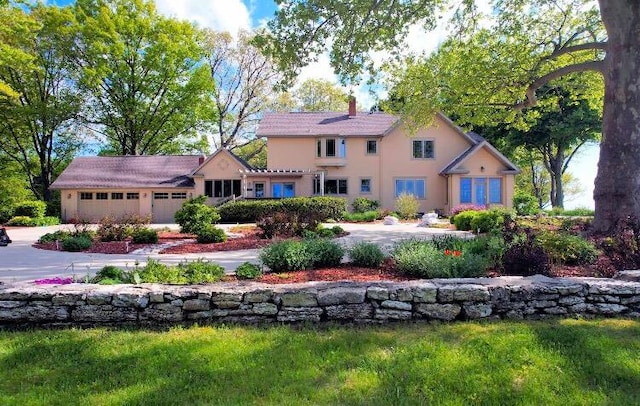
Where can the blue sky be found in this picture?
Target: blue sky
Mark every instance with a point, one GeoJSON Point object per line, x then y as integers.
{"type": "Point", "coordinates": [233, 15]}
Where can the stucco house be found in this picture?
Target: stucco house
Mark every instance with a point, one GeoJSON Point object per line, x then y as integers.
{"type": "Point", "coordinates": [348, 154]}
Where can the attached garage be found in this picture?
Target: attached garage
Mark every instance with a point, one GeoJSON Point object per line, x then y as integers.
{"type": "Point", "coordinates": [166, 204]}
{"type": "Point", "coordinates": [93, 205]}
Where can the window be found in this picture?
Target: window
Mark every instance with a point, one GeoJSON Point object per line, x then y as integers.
{"type": "Point", "coordinates": [330, 148]}
{"type": "Point", "coordinates": [179, 195]}
{"type": "Point", "coordinates": [495, 190]}
{"type": "Point", "coordinates": [279, 190]}
{"type": "Point", "coordinates": [102, 196]}
{"type": "Point", "coordinates": [411, 186]}
{"type": "Point", "coordinates": [372, 147]}
{"type": "Point", "coordinates": [331, 186]}
{"type": "Point", "coordinates": [318, 148]}
{"type": "Point", "coordinates": [365, 185]}
{"type": "Point", "coordinates": [86, 196]}
{"type": "Point", "coordinates": [133, 196]}
{"type": "Point", "coordinates": [422, 149]}
{"type": "Point", "coordinates": [465, 190]}
{"type": "Point", "coordinates": [342, 152]}
{"type": "Point", "coordinates": [259, 190]}
{"type": "Point", "coordinates": [223, 187]}
{"type": "Point", "coordinates": [117, 196]}
{"type": "Point", "coordinates": [161, 196]}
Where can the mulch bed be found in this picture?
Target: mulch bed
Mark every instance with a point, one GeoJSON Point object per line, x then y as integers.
{"type": "Point", "coordinates": [247, 241]}
{"type": "Point", "coordinates": [113, 247]}
{"type": "Point", "coordinates": [344, 272]}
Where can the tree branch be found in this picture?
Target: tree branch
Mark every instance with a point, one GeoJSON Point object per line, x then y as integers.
{"type": "Point", "coordinates": [577, 48]}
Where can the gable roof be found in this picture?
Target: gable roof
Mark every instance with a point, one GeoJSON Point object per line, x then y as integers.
{"type": "Point", "coordinates": [167, 171]}
{"type": "Point", "coordinates": [241, 161]}
{"type": "Point", "coordinates": [312, 124]}
{"type": "Point", "coordinates": [479, 143]}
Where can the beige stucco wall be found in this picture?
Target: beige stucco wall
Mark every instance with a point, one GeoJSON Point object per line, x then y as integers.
{"type": "Point", "coordinates": [219, 166]}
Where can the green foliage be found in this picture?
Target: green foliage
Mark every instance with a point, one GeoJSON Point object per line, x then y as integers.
{"type": "Point", "coordinates": [55, 236]}
{"type": "Point", "coordinates": [110, 275]}
{"type": "Point", "coordinates": [486, 221]}
{"type": "Point", "coordinates": [361, 217]}
{"type": "Point", "coordinates": [145, 236]}
{"type": "Point", "coordinates": [195, 216]}
{"type": "Point", "coordinates": [24, 221]}
{"type": "Point", "coordinates": [286, 256]}
{"type": "Point", "coordinates": [289, 224]}
{"type": "Point", "coordinates": [525, 204]}
{"type": "Point", "coordinates": [366, 254]}
{"type": "Point", "coordinates": [324, 252]}
{"type": "Point", "coordinates": [249, 211]}
{"type": "Point", "coordinates": [247, 270]}
{"type": "Point", "coordinates": [20, 221]}
{"type": "Point", "coordinates": [337, 230]}
{"type": "Point", "coordinates": [423, 259]}
{"type": "Point", "coordinates": [110, 229]}
{"type": "Point", "coordinates": [407, 206]}
{"type": "Point", "coordinates": [577, 212]}
{"type": "Point", "coordinates": [211, 234]}
{"type": "Point", "coordinates": [34, 209]}
{"type": "Point", "coordinates": [201, 271]}
{"type": "Point", "coordinates": [362, 205]}
{"type": "Point", "coordinates": [463, 220]}
{"type": "Point", "coordinates": [567, 249]}
{"type": "Point", "coordinates": [76, 244]}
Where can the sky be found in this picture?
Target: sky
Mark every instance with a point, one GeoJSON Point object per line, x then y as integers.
{"type": "Point", "coordinates": [234, 15]}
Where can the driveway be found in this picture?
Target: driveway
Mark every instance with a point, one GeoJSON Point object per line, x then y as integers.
{"type": "Point", "coordinates": [21, 262]}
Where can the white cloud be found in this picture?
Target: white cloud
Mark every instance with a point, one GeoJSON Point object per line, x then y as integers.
{"type": "Point", "coordinates": [221, 15]}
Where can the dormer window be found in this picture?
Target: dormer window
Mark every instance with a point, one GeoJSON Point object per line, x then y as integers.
{"type": "Point", "coordinates": [423, 149]}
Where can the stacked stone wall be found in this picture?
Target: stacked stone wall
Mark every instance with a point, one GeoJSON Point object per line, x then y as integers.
{"type": "Point", "coordinates": [372, 302]}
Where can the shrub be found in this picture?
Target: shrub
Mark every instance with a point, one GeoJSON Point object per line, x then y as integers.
{"type": "Point", "coordinates": [407, 206]}
{"type": "Point", "coordinates": [195, 215]}
{"type": "Point", "coordinates": [111, 229]}
{"type": "Point", "coordinates": [156, 272]}
{"type": "Point", "coordinates": [337, 230]}
{"type": "Point", "coordinates": [567, 249]}
{"type": "Point", "coordinates": [525, 204]}
{"type": "Point", "coordinates": [286, 256]}
{"type": "Point", "coordinates": [45, 221]}
{"type": "Point", "coordinates": [364, 217]}
{"type": "Point", "coordinates": [77, 243]}
{"type": "Point", "coordinates": [288, 224]}
{"type": "Point", "coordinates": [366, 254]}
{"type": "Point", "coordinates": [59, 235]}
{"type": "Point", "coordinates": [248, 211]}
{"type": "Point", "coordinates": [247, 270]}
{"type": "Point", "coordinates": [462, 220]}
{"type": "Point", "coordinates": [523, 255]}
{"type": "Point", "coordinates": [489, 220]}
{"type": "Point", "coordinates": [211, 234]}
{"type": "Point", "coordinates": [362, 205]}
{"type": "Point", "coordinates": [466, 207]}
{"type": "Point", "coordinates": [145, 236]}
{"type": "Point", "coordinates": [6, 212]}
{"type": "Point", "coordinates": [423, 259]}
{"type": "Point", "coordinates": [32, 208]}
{"type": "Point", "coordinates": [20, 221]}
{"type": "Point", "coordinates": [201, 271]}
{"type": "Point", "coordinates": [324, 232]}
{"type": "Point", "coordinates": [109, 273]}
{"type": "Point", "coordinates": [324, 253]}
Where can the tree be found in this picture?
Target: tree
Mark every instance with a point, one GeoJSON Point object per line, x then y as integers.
{"type": "Point", "coordinates": [320, 95]}
{"type": "Point", "coordinates": [149, 88]}
{"type": "Point", "coordinates": [37, 129]}
{"type": "Point", "coordinates": [571, 36]}
{"type": "Point", "coordinates": [15, 26]}
{"type": "Point", "coordinates": [244, 86]}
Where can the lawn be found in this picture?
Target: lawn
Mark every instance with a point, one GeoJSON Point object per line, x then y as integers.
{"type": "Point", "coordinates": [553, 362]}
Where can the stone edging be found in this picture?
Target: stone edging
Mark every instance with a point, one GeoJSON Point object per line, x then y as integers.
{"type": "Point", "coordinates": [361, 302]}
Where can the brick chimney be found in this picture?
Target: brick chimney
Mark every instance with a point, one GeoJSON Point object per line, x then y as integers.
{"type": "Point", "coordinates": [352, 106]}
{"type": "Point", "coordinates": [201, 159]}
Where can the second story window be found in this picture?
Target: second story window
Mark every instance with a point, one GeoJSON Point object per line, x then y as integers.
{"type": "Point", "coordinates": [330, 147]}
{"type": "Point", "coordinates": [422, 149]}
{"type": "Point", "coordinates": [372, 147]}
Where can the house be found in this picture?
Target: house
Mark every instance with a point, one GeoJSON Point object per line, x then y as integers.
{"type": "Point", "coordinates": [349, 155]}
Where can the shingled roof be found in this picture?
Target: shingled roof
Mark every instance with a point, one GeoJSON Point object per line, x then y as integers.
{"type": "Point", "coordinates": [301, 124]}
{"type": "Point", "coordinates": [167, 171]}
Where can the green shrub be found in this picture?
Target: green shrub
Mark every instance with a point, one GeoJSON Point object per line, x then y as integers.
{"type": "Point", "coordinates": [463, 220]}
{"type": "Point", "coordinates": [422, 259]}
{"type": "Point", "coordinates": [288, 224]}
{"type": "Point", "coordinates": [567, 249]}
{"type": "Point", "coordinates": [20, 221]}
{"type": "Point", "coordinates": [525, 204]}
{"type": "Point", "coordinates": [366, 254]}
{"type": "Point", "coordinates": [156, 272]}
{"type": "Point", "coordinates": [324, 253]}
{"type": "Point", "coordinates": [59, 235]}
{"type": "Point", "coordinates": [362, 205]}
{"type": "Point", "coordinates": [489, 220]}
{"type": "Point", "coordinates": [248, 211]}
{"type": "Point", "coordinates": [110, 229]}
{"type": "Point", "coordinates": [407, 206]}
{"type": "Point", "coordinates": [195, 215]}
{"type": "Point", "coordinates": [32, 208]}
{"type": "Point", "coordinates": [77, 243]}
{"type": "Point", "coordinates": [211, 234]}
{"type": "Point", "coordinates": [247, 270]}
{"type": "Point", "coordinates": [325, 232]}
{"type": "Point", "coordinates": [145, 236]}
{"type": "Point", "coordinates": [364, 217]}
{"type": "Point", "coordinates": [6, 212]}
{"type": "Point", "coordinates": [286, 256]}
{"type": "Point", "coordinates": [201, 271]}
{"type": "Point", "coordinates": [337, 230]}
{"type": "Point", "coordinates": [45, 221]}
{"type": "Point", "coordinates": [109, 273]}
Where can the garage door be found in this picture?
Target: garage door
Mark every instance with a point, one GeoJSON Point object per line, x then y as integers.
{"type": "Point", "coordinates": [165, 206]}
{"type": "Point", "coordinates": [93, 206]}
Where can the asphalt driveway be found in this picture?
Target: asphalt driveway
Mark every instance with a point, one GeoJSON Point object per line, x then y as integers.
{"type": "Point", "coordinates": [21, 262]}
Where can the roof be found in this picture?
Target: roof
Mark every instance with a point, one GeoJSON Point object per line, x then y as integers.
{"type": "Point", "coordinates": [167, 171]}
{"type": "Point", "coordinates": [479, 143]}
{"type": "Point", "coordinates": [300, 124]}
{"type": "Point", "coordinates": [241, 161]}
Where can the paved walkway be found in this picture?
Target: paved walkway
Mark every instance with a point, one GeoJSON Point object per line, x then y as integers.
{"type": "Point", "coordinates": [21, 262]}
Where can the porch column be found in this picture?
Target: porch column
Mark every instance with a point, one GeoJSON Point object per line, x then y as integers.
{"type": "Point", "coordinates": [321, 183]}
{"type": "Point", "coordinates": [244, 185]}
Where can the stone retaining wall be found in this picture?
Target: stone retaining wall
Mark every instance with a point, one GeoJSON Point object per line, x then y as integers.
{"type": "Point", "coordinates": [371, 302]}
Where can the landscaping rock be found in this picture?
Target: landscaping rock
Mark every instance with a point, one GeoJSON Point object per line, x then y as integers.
{"type": "Point", "coordinates": [391, 314]}
{"type": "Point", "coordinates": [196, 305]}
{"type": "Point", "coordinates": [298, 299]}
{"type": "Point", "coordinates": [390, 221]}
{"type": "Point", "coordinates": [394, 304]}
{"type": "Point", "coordinates": [297, 314]}
{"type": "Point", "coordinates": [349, 311]}
{"type": "Point", "coordinates": [477, 311]}
{"type": "Point", "coordinates": [447, 312]}
{"type": "Point", "coordinates": [377, 293]}
{"type": "Point", "coordinates": [341, 295]}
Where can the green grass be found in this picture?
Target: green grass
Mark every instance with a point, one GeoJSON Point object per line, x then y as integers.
{"type": "Point", "coordinates": [564, 362]}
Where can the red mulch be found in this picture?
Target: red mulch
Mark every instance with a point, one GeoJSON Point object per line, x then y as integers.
{"type": "Point", "coordinates": [245, 242]}
{"type": "Point", "coordinates": [113, 247]}
{"type": "Point", "coordinates": [343, 272]}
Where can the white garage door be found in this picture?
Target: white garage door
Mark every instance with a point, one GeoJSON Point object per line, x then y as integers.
{"type": "Point", "coordinates": [93, 206]}
{"type": "Point", "coordinates": [166, 204]}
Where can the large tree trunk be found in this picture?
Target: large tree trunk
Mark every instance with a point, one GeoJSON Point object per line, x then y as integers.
{"type": "Point", "coordinates": [617, 185]}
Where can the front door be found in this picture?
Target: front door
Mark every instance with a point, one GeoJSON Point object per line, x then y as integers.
{"type": "Point", "coordinates": [481, 191]}
{"type": "Point", "coordinates": [258, 190]}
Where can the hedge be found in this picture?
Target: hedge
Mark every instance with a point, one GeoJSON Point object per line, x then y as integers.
{"type": "Point", "coordinates": [249, 211]}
